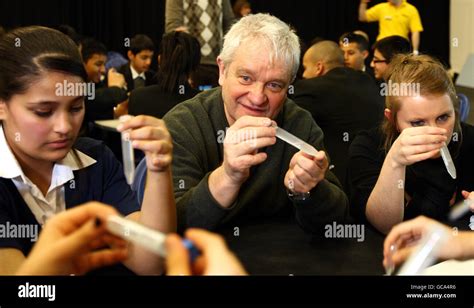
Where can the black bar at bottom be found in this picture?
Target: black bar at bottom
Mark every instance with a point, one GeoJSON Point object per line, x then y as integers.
{"type": "Point", "coordinates": [291, 291]}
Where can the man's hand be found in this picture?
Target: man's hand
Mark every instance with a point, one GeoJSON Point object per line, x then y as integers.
{"type": "Point", "coordinates": [306, 171]}
{"type": "Point", "coordinates": [241, 144]}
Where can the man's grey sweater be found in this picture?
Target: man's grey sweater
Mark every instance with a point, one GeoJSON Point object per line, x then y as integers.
{"type": "Point", "coordinates": [198, 126]}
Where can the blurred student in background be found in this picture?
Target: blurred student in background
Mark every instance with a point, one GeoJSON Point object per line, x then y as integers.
{"type": "Point", "coordinates": [384, 51]}
{"type": "Point", "coordinates": [207, 21]}
{"type": "Point", "coordinates": [179, 57]}
{"type": "Point", "coordinates": [137, 72]}
{"type": "Point", "coordinates": [356, 50]}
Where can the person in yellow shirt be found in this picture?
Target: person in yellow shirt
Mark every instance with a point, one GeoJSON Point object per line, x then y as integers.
{"type": "Point", "coordinates": [395, 17]}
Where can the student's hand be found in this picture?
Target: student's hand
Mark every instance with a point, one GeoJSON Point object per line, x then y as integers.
{"type": "Point", "coordinates": [241, 144]}
{"type": "Point", "coordinates": [470, 196]}
{"type": "Point", "coordinates": [406, 235]}
{"type": "Point", "coordinates": [182, 29]}
{"type": "Point", "coordinates": [69, 243]}
{"type": "Point", "coordinates": [150, 135]}
{"type": "Point", "coordinates": [121, 109]}
{"type": "Point", "coordinates": [365, 1]}
{"type": "Point", "coordinates": [306, 171]}
{"type": "Point", "coordinates": [215, 258]}
{"type": "Point", "coordinates": [115, 79]}
{"type": "Point", "coordinates": [417, 144]}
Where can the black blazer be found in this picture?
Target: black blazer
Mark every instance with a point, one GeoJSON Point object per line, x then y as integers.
{"type": "Point", "coordinates": [127, 73]}
{"type": "Point", "coordinates": [152, 101]}
{"type": "Point", "coordinates": [370, 71]}
{"type": "Point", "coordinates": [342, 102]}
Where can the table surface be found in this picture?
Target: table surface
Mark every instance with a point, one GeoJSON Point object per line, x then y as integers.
{"type": "Point", "coordinates": [451, 267]}
{"type": "Point", "coordinates": [282, 248]}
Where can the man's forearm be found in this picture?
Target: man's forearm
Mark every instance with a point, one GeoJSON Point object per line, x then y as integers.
{"type": "Point", "coordinates": [362, 11]}
{"type": "Point", "coordinates": [223, 190]}
{"type": "Point", "coordinates": [415, 41]}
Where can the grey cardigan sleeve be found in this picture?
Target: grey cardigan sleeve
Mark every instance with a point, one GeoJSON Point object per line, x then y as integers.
{"type": "Point", "coordinates": [174, 15]}
{"type": "Point", "coordinates": [191, 168]}
{"type": "Point", "coordinates": [195, 204]}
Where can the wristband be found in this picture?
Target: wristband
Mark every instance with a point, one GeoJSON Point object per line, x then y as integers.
{"type": "Point", "coordinates": [296, 196]}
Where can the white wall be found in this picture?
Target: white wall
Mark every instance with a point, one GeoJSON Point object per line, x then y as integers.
{"type": "Point", "coordinates": [462, 32]}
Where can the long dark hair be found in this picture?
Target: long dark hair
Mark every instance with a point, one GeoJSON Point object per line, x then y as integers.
{"type": "Point", "coordinates": [26, 53]}
{"type": "Point", "coordinates": [180, 54]}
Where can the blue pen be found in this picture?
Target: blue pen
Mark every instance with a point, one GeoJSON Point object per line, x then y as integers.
{"type": "Point", "coordinates": [149, 239]}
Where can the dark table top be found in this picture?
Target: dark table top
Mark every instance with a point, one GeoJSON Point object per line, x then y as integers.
{"type": "Point", "coordinates": [283, 248]}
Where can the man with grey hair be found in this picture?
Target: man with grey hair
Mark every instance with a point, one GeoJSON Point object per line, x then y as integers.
{"type": "Point", "coordinates": [228, 167]}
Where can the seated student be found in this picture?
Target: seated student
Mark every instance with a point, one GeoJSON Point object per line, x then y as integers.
{"type": "Point", "coordinates": [356, 50]}
{"type": "Point", "coordinates": [341, 100]}
{"type": "Point", "coordinates": [179, 57]}
{"type": "Point", "coordinates": [404, 236]}
{"type": "Point", "coordinates": [241, 173]}
{"type": "Point", "coordinates": [137, 72]}
{"type": "Point", "coordinates": [368, 68]}
{"type": "Point", "coordinates": [384, 51]}
{"type": "Point", "coordinates": [363, 34]}
{"type": "Point", "coordinates": [64, 247]}
{"type": "Point", "coordinates": [45, 169]}
{"type": "Point", "coordinates": [110, 91]}
{"type": "Point", "coordinates": [396, 172]}
{"type": "Point", "coordinates": [108, 100]}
